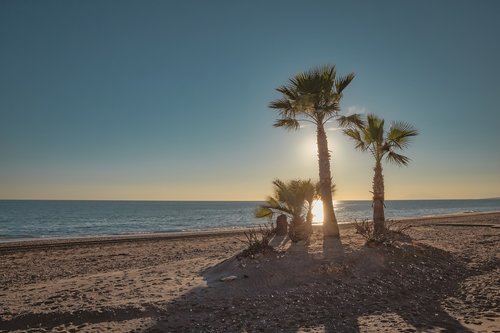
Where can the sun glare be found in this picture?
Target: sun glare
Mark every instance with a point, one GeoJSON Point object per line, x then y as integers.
{"type": "Point", "coordinates": [309, 147]}
{"type": "Point", "coordinates": [318, 211]}
{"type": "Point", "coordinates": [313, 148]}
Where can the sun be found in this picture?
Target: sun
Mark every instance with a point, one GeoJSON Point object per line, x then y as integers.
{"type": "Point", "coordinates": [318, 211]}
{"type": "Point", "coordinates": [313, 147]}
{"type": "Point", "coordinates": [309, 147]}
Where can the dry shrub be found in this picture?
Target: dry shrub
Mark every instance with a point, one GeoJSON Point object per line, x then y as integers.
{"type": "Point", "coordinates": [393, 231]}
{"type": "Point", "coordinates": [258, 239]}
{"type": "Point", "coordinates": [365, 229]}
{"type": "Point", "coordinates": [397, 227]}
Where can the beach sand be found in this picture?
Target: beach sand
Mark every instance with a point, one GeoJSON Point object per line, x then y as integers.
{"type": "Point", "coordinates": [444, 279]}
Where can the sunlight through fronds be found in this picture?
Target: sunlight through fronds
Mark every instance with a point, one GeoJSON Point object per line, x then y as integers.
{"type": "Point", "coordinates": [371, 136]}
{"type": "Point", "coordinates": [314, 95]}
{"type": "Point", "coordinates": [317, 211]}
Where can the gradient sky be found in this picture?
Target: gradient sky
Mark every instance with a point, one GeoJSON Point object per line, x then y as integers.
{"type": "Point", "coordinates": [167, 100]}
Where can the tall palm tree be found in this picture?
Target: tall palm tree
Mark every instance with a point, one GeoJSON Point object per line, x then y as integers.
{"type": "Point", "coordinates": [295, 199]}
{"type": "Point", "coordinates": [314, 96]}
{"type": "Point", "coordinates": [372, 137]}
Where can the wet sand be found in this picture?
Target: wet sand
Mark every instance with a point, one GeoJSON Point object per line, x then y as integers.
{"type": "Point", "coordinates": [444, 278]}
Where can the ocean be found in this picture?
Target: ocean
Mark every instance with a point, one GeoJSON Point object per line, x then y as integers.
{"type": "Point", "coordinates": [30, 219]}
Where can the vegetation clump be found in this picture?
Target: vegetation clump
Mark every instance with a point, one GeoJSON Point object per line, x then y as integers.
{"type": "Point", "coordinates": [258, 240]}
{"type": "Point", "coordinates": [295, 199]}
{"type": "Point", "coordinates": [392, 231]}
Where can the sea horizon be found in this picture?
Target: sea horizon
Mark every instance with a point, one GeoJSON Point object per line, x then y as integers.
{"type": "Point", "coordinates": [47, 219]}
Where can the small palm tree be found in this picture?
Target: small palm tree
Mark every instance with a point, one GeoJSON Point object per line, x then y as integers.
{"type": "Point", "coordinates": [295, 199]}
{"type": "Point", "coordinates": [314, 96]}
{"type": "Point", "coordinates": [372, 137]}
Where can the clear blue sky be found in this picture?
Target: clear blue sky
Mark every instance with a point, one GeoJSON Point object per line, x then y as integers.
{"type": "Point", "coordinates": [168, 99]}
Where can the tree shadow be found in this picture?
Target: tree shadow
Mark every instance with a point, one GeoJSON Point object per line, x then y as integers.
{"type": "Point", "coordinates": [297, 290]}
{"type": "Point", "coordinates": [51, 320]}
{"type": "Point", "coordinates": [333, 249]}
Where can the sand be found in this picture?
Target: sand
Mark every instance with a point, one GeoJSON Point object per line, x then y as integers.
{"type": "Point", "coordinates": [444, 277]}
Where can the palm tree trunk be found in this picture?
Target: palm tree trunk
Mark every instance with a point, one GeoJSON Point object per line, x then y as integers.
{"type": "Point", "coordinates": [308, 223]}
{"type": "Point", "coordinates": [378, 200]}
{"type": "Point", "coordinates": [330, 226]}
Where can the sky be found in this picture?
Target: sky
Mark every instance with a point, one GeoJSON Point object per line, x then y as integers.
{"type": "Point", "coordinates": [168, 100]}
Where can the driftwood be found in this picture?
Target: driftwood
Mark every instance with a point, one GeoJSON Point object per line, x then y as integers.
{"type": "Point", "coordinates": [281, 225]}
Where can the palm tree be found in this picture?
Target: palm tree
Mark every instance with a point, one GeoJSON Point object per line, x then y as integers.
{"type": "Point", "coordinates": [295, 199]}
{"type": "Point", "coordinates": [314, 96]}
{"type": "Point", "coordinates": [371, 137]}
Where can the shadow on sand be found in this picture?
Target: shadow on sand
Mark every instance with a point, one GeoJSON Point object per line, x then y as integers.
{"type": "Point", "coordinates": [328, 291]}
{"type": "Point", "coordinates": [335, 289]}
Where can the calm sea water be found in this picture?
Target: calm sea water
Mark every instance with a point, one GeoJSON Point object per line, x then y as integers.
{"type": "Point", "coordinates": [34, 219]}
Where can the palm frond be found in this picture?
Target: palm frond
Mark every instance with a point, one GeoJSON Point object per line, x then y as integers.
{"type": "Point", "coordinates": [401, 134]}
{"type": "Point", "coordinates": [342, 82]}
{"type": "Point", "coordinates": [354, 120]}
{"type": "Point", "coordinates": [288, 92]}
{"type": "Point", "coordinates": [397, 159]}
{"type": "Point", "coordinates": [279, 185]}
{"type": "Point", "coordinates": [288, 123]}
{"type": "Point", "coordinates": [294, 198]}
{"type": "Point", "coordinates": [376, 128]}
{"type": "Point", "coordinates": [314, 94]}
{"type": "Point", "coordinates": [309, 190]}
{"type": "Point", "coordinates": [304, 103]}
{"type": "Point", "coordinates": [371, 136]}
{"type": "Point", "coordinates": [272, 202]}
{"type": "Point", "coordinates": [285, 107]}
{"type": "Point", "coordinates": [276, 203]}
{"type": "Point", "coordinates": [355, 135]}
{"type": "Point", "coordinates": [281, 104]}
{"type": "Point", "coordinates": [264, 212]}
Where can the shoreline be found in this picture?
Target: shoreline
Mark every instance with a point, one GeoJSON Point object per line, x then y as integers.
{"type": "Point", "coordinates": [10, 245]}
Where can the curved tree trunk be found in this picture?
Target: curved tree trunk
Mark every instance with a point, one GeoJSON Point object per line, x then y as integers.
{"type": "Point", "coordinates": [378, 199]}
{"type": "Point", "coordinates": [330, 226]}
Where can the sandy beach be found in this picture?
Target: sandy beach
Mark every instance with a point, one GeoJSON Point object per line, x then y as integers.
{"type": "Point", "coordinates": [444, 277]}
